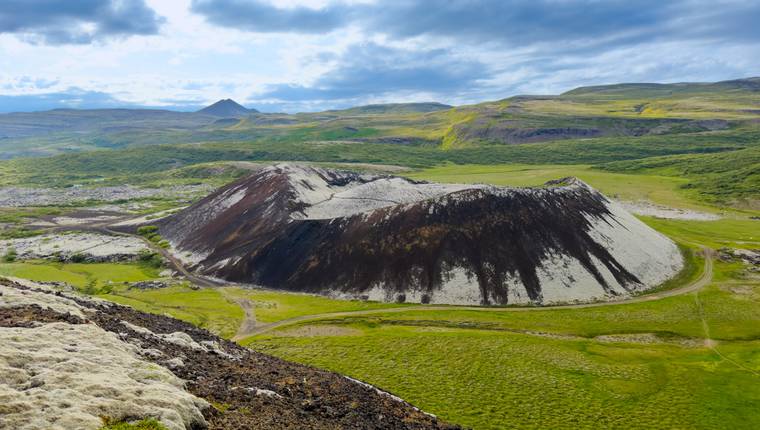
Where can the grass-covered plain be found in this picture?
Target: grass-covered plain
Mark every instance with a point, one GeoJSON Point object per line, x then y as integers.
{"type": "Point", "coordinates": [272, 306]}
{"type": "Point", "coordinates": [216, 309]}
{"type": "Point", "coordinates": [727, 232]}
{"type": "Point", "coordinates": [80, 275]}
{"type": "Point", "coordinates": [632, 187]}
{"type": "Point", "coordinates": [550, 368]}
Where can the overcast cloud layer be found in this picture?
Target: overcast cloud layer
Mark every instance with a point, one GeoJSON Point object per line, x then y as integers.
{"type": "Point", "coordinates": [296, 55]}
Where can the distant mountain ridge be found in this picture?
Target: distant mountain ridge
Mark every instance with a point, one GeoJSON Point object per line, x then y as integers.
{"type": "Point", "coordinates": [656, 89]}
{"type": "Point", "coordinates": [422, 107]}
{"type": "Point", "coordinates": [227, 108]}
{"type": "Point", "coordinates": [595, 112]}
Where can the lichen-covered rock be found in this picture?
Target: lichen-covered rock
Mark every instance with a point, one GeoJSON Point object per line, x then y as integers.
{"type": "Point", "coordinates": [79, 247]}
{"type": "Point", "coordinates": [63, 375]}
{"type": "Point", "coordinates": [60, 371]}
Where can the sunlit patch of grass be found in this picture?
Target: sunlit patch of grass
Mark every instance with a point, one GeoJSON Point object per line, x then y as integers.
{"type": "Point", "coordinates": [146, 424]}
{"type": "Point", "coordinates": [493, 380]}
{"type": "Point", "coordinates": [206, 308]}
{"type": "Point", "coordinates": [78, 274]}
{"type": "Point", "coordinates": [630, 187]}
{"type": "Point", "coordinates": [271, 306]}
{"type": "Point", "coordinates": [730, 232]}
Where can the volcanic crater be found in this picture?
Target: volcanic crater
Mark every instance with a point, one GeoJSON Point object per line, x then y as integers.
{"type": "Point", "coordinates": [351, 235]}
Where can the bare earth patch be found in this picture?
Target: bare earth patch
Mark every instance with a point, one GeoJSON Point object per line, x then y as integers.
{"type": "Point", "coordinates": [318, 330]}
{"type": "Point", "coordinates": [650, 209]}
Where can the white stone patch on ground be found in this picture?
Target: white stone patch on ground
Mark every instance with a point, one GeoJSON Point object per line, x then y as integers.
{"type": "Point", "coordinates": [379, 193]}
{"type": "Point", "coordinates": [70, 221]}
{"type": "Point", "coordinates": [88, 244]}
{"type": "Point", "coordinates": [147, 219]}
{"type": "Point", "coordinates": [377, 390]}
{"type": "Point", "coordinates": [13, 297]}
{"type": "Point", "coordinates": [181, 339]}
{"type": "Point", "coordinates": [61, 376]}
{"type": "Point", "coordinates": [647, 254]}
{"type": "Point", "coordinates": [178, 338]}
{"type": "Point", "coordinates": [259, 392]}
{"type": "Point", "coordinates": [187, 258]}
{"type": "Point", "coordinates": [18, 196]}
{"type": "Point", "coordinates": [650, 209]}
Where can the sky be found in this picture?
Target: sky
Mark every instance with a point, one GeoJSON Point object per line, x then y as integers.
{"type": "Point", "coordinates": [311, 55]}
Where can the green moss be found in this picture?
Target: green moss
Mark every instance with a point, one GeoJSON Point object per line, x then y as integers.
{"type": "Point", "coordinates": [272, 306]}
{"type": "Point", "coordinates": [146, 424]}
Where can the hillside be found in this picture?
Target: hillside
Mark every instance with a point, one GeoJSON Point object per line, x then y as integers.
{"type": "Point", "coordinates": [76, 362]}
{"type": "Point", "coordinates": [227, 108]}
{"type": "Point", "coordinates": [630, 91]}
{"type": "Point", "coordinates": [391, 239]}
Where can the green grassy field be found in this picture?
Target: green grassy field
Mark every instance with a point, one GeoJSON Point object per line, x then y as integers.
{"type": "Point", "coordinates": [632, 187]}
{"type": "Point", "coordinates": [639, 365]}
{"type": "Point", "coordinates": [78, 274]}
{"type": "Point", "coordinates": [206, 308]}
{"type": "Point", "coordinates": [550, 368]}
{"type": "Point", "coordinates": [727, 232]}
{"type": "Point", "coordinates": [271, 306]}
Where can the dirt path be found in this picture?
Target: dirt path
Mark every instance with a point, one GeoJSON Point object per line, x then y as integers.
{"type": "Point", "coordinates": [696, 285]}
{"type": "Point", "coordinates": [712, 344]}
{"type": "Point", "coordinates": [248, 324]}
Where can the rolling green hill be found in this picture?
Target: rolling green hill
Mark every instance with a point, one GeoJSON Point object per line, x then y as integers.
{"type": "Point", "coordinates": [619, 127]}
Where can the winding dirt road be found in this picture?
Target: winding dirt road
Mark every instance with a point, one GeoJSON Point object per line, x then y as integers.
{"type": "Point", "coordinates": [696, 285]}
{"type": "Point", "coordinates": [250, 328]}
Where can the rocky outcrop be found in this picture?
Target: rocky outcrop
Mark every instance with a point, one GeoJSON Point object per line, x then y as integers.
{"type": "Point", "coordinates": [67, 362]}
{"type": "Point", "coordinates": [388, 238]}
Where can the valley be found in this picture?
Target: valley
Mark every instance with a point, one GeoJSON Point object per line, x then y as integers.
{"type": "Point", "coordinates": [680, 353]}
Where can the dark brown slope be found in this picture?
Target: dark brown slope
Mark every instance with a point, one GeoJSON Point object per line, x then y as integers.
{"type": "Point", "coordinates": [307, 398]}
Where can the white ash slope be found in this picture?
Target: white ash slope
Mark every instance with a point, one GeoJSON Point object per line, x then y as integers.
{"type": "Point", "coordinates": [60, 376]}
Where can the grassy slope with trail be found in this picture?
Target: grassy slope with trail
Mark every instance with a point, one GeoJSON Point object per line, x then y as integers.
{"type": "Point", "coordinates": [548, 368]}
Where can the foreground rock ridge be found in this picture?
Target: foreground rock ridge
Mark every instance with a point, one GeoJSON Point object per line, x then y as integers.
{"type": "Point", "coordinates": [68, 361]}
{"type": "Point", "coordinates": [351, 235]}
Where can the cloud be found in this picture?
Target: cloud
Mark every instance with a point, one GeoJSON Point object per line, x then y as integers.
{"type": "Point", "coordinates": [374, 71]}
{"type": "Point", "coordinates": [512, 23]}
{"type": "Point", "coordinates": [264, 17]}
{"type": "Point", "coordinates": [297, 55]}
{"type": "Point", "coordinates": [57, 22]}
{"type": "Point", "coordinates": [69, 98]}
